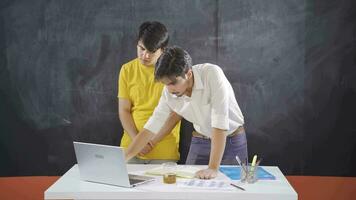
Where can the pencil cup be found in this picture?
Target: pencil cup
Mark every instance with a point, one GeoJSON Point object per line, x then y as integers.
{"type": "Point", "coordinates": [249, 173]}
{"type": "Point", "coordinates": [169, 172]}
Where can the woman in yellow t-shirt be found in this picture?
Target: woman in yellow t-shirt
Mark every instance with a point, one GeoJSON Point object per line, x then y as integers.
{"type": "Point", "coordinates": [139, 94]}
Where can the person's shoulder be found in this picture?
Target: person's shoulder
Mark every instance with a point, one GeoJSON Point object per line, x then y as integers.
{"type": "Point", "coordinates": [207, 68]}
{"type": "Point", "coordinates": [131, 64]}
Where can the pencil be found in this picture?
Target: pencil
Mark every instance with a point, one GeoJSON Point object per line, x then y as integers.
{"type": "Point", "coordinates": [236, 186]}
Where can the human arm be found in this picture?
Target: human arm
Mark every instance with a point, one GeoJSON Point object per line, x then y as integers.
{"type": "Point", "coordinates": [155, 123]}
{"type": "Point", "coordinates": [167, 128]}
{"type": "Point", "coordinates": [125, 115]}
{"type": "Point", "coordinates": [138, 143]}
{"type": "Point", "coordinates": [220, 90]}
{"type": "Point", "coordinates": [125, 103]}
{"type": "Point", "coordinates": [218, 140]}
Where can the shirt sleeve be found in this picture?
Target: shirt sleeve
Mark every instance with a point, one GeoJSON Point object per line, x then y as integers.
{"type": "Point", "coordinates": [122, 84]}
{"type": "Point", "coordinates": [160, 114]}
{"type": "Point", "coordinates": [219, 88]}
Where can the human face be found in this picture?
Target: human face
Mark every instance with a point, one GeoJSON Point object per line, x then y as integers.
{"type": "Point", "coordinates": [146, 57]}
{"type": "Point", "coordinates": [179, 86]}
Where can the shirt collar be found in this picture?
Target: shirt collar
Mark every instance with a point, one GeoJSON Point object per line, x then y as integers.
{"type": "Point", "coordinates": [198, 84]}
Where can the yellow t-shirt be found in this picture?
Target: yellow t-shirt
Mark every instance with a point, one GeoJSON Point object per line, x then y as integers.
{"type": "Point", "coordinates": [137, 84]}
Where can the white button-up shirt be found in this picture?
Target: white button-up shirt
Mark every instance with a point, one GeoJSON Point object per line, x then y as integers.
{"type": "Point", "coordinates": [212, 103]}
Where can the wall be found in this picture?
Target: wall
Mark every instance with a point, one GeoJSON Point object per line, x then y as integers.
{"type": "Point", "coordinates": [291, 64]}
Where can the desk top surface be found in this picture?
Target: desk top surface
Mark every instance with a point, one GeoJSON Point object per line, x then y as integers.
{"type": "Point", "coordinates": [69, 186]}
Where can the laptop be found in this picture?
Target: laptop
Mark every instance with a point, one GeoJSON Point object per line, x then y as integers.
{"type": "Point", "coordinates": [105, 164]}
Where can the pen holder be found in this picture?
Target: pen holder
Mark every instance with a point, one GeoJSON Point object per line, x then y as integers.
{"type": "Point", "coordinates": [249, 173]}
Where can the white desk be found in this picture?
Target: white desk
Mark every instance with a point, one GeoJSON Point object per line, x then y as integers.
{"type": "Point", "coordinates": [69, 186]}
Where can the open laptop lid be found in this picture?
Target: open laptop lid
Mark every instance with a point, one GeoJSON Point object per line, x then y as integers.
{"type": "Point", "coordinates": [103, 164]}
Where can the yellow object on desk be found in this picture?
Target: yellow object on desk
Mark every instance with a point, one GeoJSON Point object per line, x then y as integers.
{"type": "Point", "coordinates": [254, 159]}
{"type": "Point", "coordinates": [181, 171]}
{"type": "Point", "coordinates": [169, 178]}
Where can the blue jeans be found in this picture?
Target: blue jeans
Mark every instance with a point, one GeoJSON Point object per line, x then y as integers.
{"type": "Point", "coordinates": [199, 152]}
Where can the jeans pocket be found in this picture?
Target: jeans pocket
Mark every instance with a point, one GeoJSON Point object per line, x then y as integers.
{"type": "Point", "coordinates": [238, 140]}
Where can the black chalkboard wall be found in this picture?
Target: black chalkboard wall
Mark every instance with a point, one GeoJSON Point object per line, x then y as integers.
{"type": "Point", "coordinates": [291, 64]}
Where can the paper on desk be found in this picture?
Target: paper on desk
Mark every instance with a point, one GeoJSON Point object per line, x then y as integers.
{"type": "Point", "coordinates": [181, 171]}
{"type": "Point", "coordinates": [205, 184]}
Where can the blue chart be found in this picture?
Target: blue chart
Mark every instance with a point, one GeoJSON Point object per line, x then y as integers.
{"type": "Point", "coordinates": [234, 173]}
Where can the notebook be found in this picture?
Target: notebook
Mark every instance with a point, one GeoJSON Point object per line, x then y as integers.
{"type": "Point", "coordinates": [181, 171]}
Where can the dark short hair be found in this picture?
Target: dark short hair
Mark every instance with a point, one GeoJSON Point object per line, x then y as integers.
{"type": "Point", "coordinates": [173, 62]}
{"type": "Point", "coordinates": [153, 35]}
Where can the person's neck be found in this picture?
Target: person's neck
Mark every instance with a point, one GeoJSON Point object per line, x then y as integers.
{"type": "Point", "coordinates": [151, 65]}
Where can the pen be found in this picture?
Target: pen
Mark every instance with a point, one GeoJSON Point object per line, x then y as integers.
{"type": "Point", "coordinates": [241, 164]}
{"type": "Point", "coordinates": [253, 162]}
{"type": "Point", "coordinates": [238, 159]}
{"type": "Point", "coordinates": [236, 186]}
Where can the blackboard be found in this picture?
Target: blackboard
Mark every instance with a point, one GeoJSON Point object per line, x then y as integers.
{"type": "Point", "coordinates": [291, 64]}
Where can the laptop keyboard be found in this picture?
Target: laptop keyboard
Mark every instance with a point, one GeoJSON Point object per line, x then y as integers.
{"type": "Point", "coordinates": [137, 179]}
